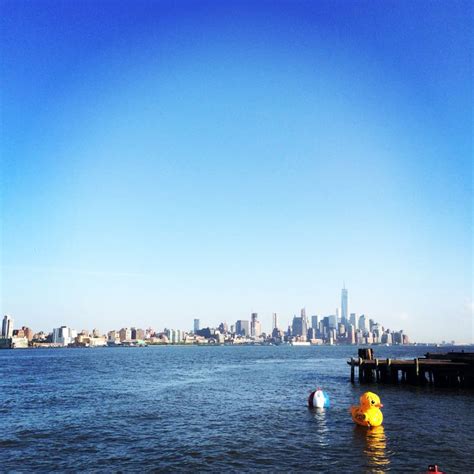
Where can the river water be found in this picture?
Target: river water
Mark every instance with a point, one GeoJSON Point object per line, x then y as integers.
{"type": "Point", "coordinates": [219, 408]}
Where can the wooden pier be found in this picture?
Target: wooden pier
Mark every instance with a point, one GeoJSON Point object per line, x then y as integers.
{"type": "Point", "coordinates": [452, 369]}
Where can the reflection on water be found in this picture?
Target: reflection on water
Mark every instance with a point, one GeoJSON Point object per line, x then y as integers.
{"type": "Point", "coordinates": [321, 437]}
{"type": "Point", "coordinates": [374, 443]}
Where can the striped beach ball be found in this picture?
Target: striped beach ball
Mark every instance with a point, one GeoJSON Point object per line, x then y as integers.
{"type": "Point", "coordinates": [318, 399]}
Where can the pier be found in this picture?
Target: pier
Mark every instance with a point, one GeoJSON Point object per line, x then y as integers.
{"type": "Point", "coordinates": [452, 369]}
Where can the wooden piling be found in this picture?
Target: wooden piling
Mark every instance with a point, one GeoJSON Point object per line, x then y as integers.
{"type": "Point", "coordinates": [447, 370]}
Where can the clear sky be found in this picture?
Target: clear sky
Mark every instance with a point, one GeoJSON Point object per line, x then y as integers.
{"type": "Point", "coordinates": [169, 160]}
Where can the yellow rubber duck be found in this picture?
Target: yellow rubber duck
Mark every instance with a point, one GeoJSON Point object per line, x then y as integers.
{"type": "Point", "coordinates": [368, 413]}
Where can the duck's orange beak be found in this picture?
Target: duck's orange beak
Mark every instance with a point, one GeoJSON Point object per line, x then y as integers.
{"type": "Point", "coordinates": [379, 405]}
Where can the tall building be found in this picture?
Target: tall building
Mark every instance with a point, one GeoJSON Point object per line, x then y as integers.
{"type": "Point", "coordinates": [7, 326]}
{"type": "Point", "coordinates": [274, 321]}
{"type": "Point", "coordinates": [332, 321]}
{"type": "Point", "coordinates": [64, 335]}
{"type": "Point", "coordinates": [125, 334]}
{"type": "Point", "coordinates": [344, 305]}
{"type": "Point", "coordinates": [364, 323]}
{"type": "Point", "coordinates": [196, 325]}
{"type": "Point", "coordinates": [300, 327]}
{"type": "Point", "coordinates": [255, 326]}
{"type": "Point", "coordinates": [353, 319]}
{"type": "Point", "coordinates": [242, 328]}
{"type": "Point", "coordinates": [314, 321]}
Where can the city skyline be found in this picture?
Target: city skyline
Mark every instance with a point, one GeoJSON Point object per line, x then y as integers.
{"type": "Point", "coordinates": [181, 160]}
{"type": "Point", "coordinates": [342, 326]}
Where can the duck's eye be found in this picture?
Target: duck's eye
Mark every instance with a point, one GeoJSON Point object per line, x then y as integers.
{"type": "Point", "coordinates": [373, 402]}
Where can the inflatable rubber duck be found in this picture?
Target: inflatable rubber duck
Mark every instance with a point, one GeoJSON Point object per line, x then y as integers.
{"type": "Point", "coordinates": [368, 413]}
{"type": "Point", "coordinates": [318, 399]}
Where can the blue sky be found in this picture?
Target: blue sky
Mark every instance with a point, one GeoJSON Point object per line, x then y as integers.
{"type": "Point", "coordinates": [169, 160]}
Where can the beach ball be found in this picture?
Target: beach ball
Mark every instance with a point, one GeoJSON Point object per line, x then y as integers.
{"type": "Point", "coordinates": [318, 399]}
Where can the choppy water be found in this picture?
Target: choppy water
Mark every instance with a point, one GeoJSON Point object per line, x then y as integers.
{"type": "Point", "coordinates": [219, 408]}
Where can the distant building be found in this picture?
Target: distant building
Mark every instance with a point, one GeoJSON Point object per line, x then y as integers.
{"type": "Point", "coordinates": [64, 335]}
{"type": "Point", "coordinates": [7, 326]}
{"type": "Point", "coordinates": [125, 334]}
{"type": "Point", "coordinates": [344, 305]}
{"type": "Point", "coordinates": [351, 334]}
{"type": "Point", "coordinates": [139, 334]}
{"type": "Point", "coordinates": [299, 328]}
{"type": "Point", "coordinates": [315, 321]}
{"type": "Point", "coordinates": [206, 333]}
{"type": "Point", "coordinates": [196, 325]}
{"type": "Point", "coordinates": [364, 323]}
{"type": "Point", "coordinates": [28, 333]}
{"type": "Point", "coordinates": [242, 328]}
{"type": "Point", "coordinates": [113, 337]}
{"type": "Point", "coordinates": [332, 321]}
{"type": "Point", "coordinates": [175, 335]}
{"type": "Point", "coordinates": [353, 319]}
{"type": "Point", "coordinates": [223, 329]}
{"type": "Point", "coordinates": [255, 326]}
{"type": "Point", "coordinates": [274, 321]}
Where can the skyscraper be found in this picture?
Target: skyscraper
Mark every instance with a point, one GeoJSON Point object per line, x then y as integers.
{"type": "Point", "coordinates": [196, 325]}
{"type": "Point", "coordinates": [363, 323]}
{"type": "Point", "coordinates": [353, 319]}
{"type": "Point", "coordinates": [7, 326]}
{"type": "Point", "coordinates": [300, 326]}
{"type": "Point", "coordinates": [344, 305]}
{"type": "Point", "coordinates": [255, 326]}
{"type": "Point", "coordinates": [242, 328]}
{"type": "Point", "coordinates": [275, 321]}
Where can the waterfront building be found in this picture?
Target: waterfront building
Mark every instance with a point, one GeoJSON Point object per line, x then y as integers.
{"type": "Point", "coordinates": [223, 329]}
{"type": "Point", "coordinates": [7, 326]}
{"type": "Point", "coordinates": [125, 334]}
{"type": "Point", "coordinates": [196, 325]}
{"type": "Point", "coordinates": [137, 334]}
{"type": "Point", "coordinates": [387, 338]}
{"type": "Point", "coordinates": [299, 328]}
{"type": "Point", "coordinates": [315, 321]}
{"type": "Point", "coordinates": [113, 337]}
{"type": "Point", "coordinates": [344, 305]}
{"type": "Point", "coordinates": [28, 333]}
{"type": "Point", "coordinates": [242, 327]}
{"type": "Point", "coordinates": [64, 335]}
{"type": "Point", "coordinates": [172, 336]}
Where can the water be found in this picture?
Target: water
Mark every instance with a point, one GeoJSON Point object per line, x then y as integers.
{"type": "Point", "coordinates": [219, 408]}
